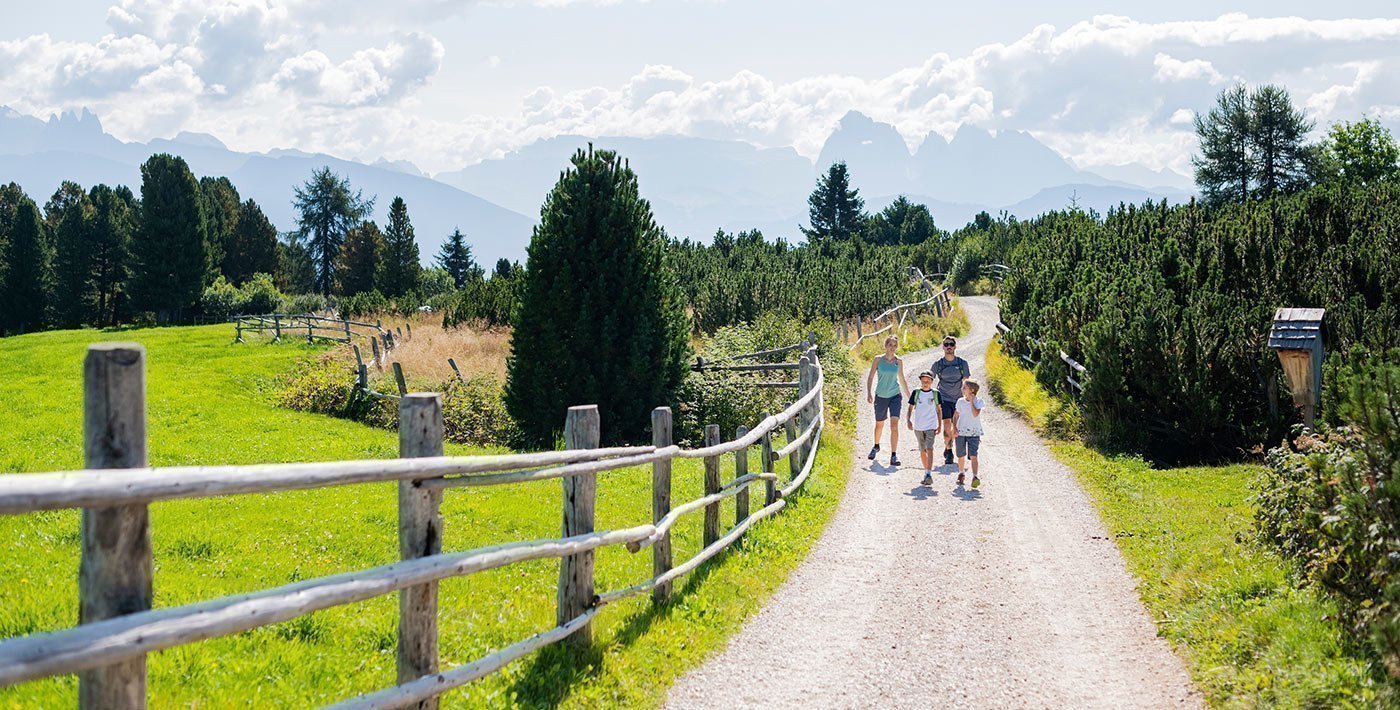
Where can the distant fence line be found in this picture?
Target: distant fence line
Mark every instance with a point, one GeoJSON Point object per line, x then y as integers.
{"type": "Point", "coordinates": [940, 302]}
{"type": "Point", "coordinates": [118, 627]}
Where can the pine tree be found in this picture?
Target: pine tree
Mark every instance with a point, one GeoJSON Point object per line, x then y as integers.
{"type": "Point", "coordinates": [456, 258]}
{"type": "Point", "coordinates": [399, 269]}
{"type": "Point", "coordinates": [601, 319]}
{"type": "Point", "coordinates": [359, 259]}
{"type": "Point", "coordinates": [296, 272]}
{"type": "Point", "coordinates": [1281, 155]}
{"type": "Point", "coordinates": [327, 207]}
{"type": "Point", "coordinates": [221, 209]}
{"type": "Point", "coordinates": [74, 297]}
{"type": "Point", "coordinates": [1223, 169]}
{"type": "Point", "coordinates": [29, 255]}
{"type": "Point", "coordinates": [113, 224]}
{"type": "Point", "coordinates": [254, 245]}
{"type": "Point", "coordinates": [168, 262]}
{"type": "Point", "coordinates": [503, 268]}
{"type": "Point", "coordinates": [837, 212]}
{"type": "Point", "coordinates": [903, 222]}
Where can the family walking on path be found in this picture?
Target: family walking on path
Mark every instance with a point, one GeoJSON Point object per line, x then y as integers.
{"type": "Point", "coordinates": [1008, 596]}
{"type": "Point", "coordinates": [953, 408]}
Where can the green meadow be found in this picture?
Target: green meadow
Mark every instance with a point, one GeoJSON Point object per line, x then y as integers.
{"type": "Point", "coordinates": [210, 401]}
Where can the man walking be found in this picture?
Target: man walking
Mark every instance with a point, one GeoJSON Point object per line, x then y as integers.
{"type": "Point", "coordinates": [949, 371]}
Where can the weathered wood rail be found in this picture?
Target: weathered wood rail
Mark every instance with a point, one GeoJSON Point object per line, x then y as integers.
{"type": "Point", "coordinates": [941, 303]}
{"type": "Point", "coordinates": [314, 327]}
{"type": "Point", "coordinates": [118, 627]}
{"type": "Point", "coordinates": [1076, 386]}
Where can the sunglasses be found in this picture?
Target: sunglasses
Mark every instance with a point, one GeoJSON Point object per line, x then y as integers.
{"type": "Point", "coordinates": [950, 345]}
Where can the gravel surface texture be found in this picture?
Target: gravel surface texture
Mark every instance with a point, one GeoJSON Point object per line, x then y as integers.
{"type": "Point", "coordinates": [1010, 595]}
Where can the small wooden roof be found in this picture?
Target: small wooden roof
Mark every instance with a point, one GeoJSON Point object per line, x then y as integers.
{"type": "Point", "coordinates": [1296, 328]}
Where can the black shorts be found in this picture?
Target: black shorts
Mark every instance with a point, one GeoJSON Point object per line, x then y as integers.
{"type": "Point", "coordinates": [948, 406]}
{"type": "Point", "coordinates": [886, 407]}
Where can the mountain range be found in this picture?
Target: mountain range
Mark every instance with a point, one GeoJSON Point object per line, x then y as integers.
{"type": "Point", "coordinates": [695, 185]}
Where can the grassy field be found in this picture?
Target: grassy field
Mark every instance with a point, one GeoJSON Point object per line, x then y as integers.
{"type": "Point", "coordinates": [210, 403]}
{"type": "Point", "coordinates": [1250, 635]}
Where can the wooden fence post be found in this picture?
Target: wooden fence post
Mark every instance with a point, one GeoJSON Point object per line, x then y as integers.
{"type": "Point", "coordinates": [741, 469]}
{"type": "Point", "coordinates": [308, 331]}
{"type": "Point", "coordinates": [770, 495]}
{"type": "Point", "coordinates": [455, 369]}
{"type": "Point", "coordinates": [238, 327]}
{"type": "Point", "coordinates": [576, 571]}
{"type": "Point", "coordinates": [114, 573]}
{"type": "Point", "coordinates": [409, 327]}
{"type": "Point", "coordinates": [805, 381]}
{"type": "Point", "coordinates": [794, 458]}
{"type": "Point", "coordinates": [661, 501]}
{"type": "Point", "coordinates": [359, 360]}
{"type": "Point", "coordinates": [398, 379]}
{"type": "Point", "coordinates": [374, 350]}
{"type": "Point", "coordinates": [420, 535]}
{"type": "Point", "coordinates": [276, 328]}
{"type": "Point", "coordinates": [347, 330]}
{"type": "Point", "coordinates": [712, 438]}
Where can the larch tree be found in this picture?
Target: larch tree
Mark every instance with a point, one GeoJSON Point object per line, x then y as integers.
{"type": "Point", "coordinates": [359, 259]}
{"type": "Point", "coordinates": [601, 319]}
{"type": "Point", "coordinates": [327, 208]}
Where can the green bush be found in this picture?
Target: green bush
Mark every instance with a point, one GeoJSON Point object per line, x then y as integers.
{"type": "Point", "coordinates": [220, 299]}
{"type": "Point", "coordinates": [362, 305]}
{"type": "Point", "coordinates": [259, 295]}
{"type": "Point", "coordinates": [1335, 505]}
{"type": "Point", "coordinates": [473, 412]}
{"type": "Point", "coordinates": [304, 303]}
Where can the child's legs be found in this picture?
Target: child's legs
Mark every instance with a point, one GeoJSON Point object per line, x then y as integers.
{"type": "Point", "coordinates": [974, 465]}
{"type": "Point", "coordinates": [926, 456]}
{"type": "Point", "coordinates": [973, 444]}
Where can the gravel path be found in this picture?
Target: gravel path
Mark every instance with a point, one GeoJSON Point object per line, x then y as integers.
{"type": "Point", "coordinates": [1007, 596]}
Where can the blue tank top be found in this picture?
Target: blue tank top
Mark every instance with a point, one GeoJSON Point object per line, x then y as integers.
{"type": "Point", "coordinates": [887, 377]}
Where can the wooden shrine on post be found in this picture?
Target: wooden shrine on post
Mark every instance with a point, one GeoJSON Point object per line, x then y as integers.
{"type": "Point", "coordinates": [1297, 337]}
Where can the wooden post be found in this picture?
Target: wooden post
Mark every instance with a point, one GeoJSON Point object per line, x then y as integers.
{"type": "Point", "coordinates": [576, 571]}
{"type": "Point", "coordinates": [398, 334]}
{"type": "Point", "coordinates": [114, 573]}
{"type": "Point", "coordinates": [794, 458]}
{"type": "Point", "coordinates": [374, 350]}
{"type": "Point", "coordinates": [347, 330]}
{"type": "Point", "coordinates": [766, 453]}
{"type": "Point", "coordinates": [859, 334]}
{"type": "Point", "coordinates": [363, 374]}
{"type": "Point", "coordinates": [409, 327]}
{"type": "Point", "coordinates": [359, 361]}
{"type": "Point", "coordinates": [276, 328]}
{"type": "Point", "coordinates": [420, 535]}
{"type": "Point", "coordinates": [398, 378]}
{"type": "Point", "coordinates": [455, 369]}
{"type": "Point", "coordinates": [238, 327]}
{"type": "Point", "coordinates": [661, 501]}
{"type": "Point", "coordinates": [741, 469]}
{"type": "Point", "coordinates": [712, 438]}
{"type": "Point", "coordinates": [805, 380]}
{"type": "Point", "coordinates": [308, 331]}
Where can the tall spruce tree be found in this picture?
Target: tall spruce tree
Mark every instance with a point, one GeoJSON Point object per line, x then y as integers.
{"type": "Point", "coordinates": [359, 259]}
{"type": "Point", "coordinates": [836, 210]}
{"type": "Point", "coordinates": [29, 255]}
{"type": "Point", "coordinates": [902, 222]}
{"type": "Point", "coordinates": [1281, 155]}
{"type": "Point", "coordinates": [327, 208]}
{"type": "Point", "coordinates": [254, 249]}
{"type": "Point", "coordinates": [296, 272]}
{"type": "Point", "coordinates": [601, 319]}
{"type": "Point", "coordinates": [503, 268]}
{"type": "Point", "coordinates": [399, 268]}
{"type": "Point", "coordinates": [168, 262]}
{"type": "Point", "coordinates": [75, 296]}
{"type": "Point", "coordinates": [221, 204]}
{"type": "Point", "coordinates": [455, 257]}
{"type": "Point", "coordinates": [113, 223]}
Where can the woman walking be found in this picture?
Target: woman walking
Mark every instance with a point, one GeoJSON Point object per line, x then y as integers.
{"type": "Point", "coordinates": [889, 390]}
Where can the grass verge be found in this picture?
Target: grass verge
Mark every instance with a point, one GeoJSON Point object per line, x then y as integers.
{"type": "Point", "coordinates": [1251, 635]}
{"type": "Point", "coordinates": [211, 402]}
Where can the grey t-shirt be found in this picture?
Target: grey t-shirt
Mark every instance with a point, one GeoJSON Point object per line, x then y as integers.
{"type": "Point", "coordinates": [950, 375]}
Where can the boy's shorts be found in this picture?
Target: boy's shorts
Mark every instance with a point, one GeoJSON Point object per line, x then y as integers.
{"type": "Point", "coordinates": [968, 445]}
{"type": "Point", "coordinates": [927, 438]}
{"type": "Point", "coordinates": [886, 407]}
{"type": "Point", "coordinates": [948, 406]}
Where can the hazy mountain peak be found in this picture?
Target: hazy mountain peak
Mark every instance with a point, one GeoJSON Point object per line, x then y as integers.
{"type": "Point", "coordinates": [202, 140]}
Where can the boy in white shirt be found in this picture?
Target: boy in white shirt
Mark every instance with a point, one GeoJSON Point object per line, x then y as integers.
{"type": "Point", "coordinates": [923, 419]}
{"type": "Point", "coordinates": [967, 427]}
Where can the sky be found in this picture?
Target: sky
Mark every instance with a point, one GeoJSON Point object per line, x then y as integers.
{"type": "Point", "coordinates": [446, 83]}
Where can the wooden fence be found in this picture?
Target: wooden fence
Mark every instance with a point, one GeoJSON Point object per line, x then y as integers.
{"type": "Point", "coordinates": [941, 303]}
{"type": "Point", "coordinates": [314, 327]}
{"type": "Point", "coordinates": [118, 628]}
{"type": "Point", "coordinates": [1075, 369]}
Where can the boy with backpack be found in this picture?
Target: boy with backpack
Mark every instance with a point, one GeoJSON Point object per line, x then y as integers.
{"type": "Point", "coordinates": [924, 413]}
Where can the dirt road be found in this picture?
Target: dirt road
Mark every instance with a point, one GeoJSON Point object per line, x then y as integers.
{"type": "Point", "coordinates": [1011, 595]}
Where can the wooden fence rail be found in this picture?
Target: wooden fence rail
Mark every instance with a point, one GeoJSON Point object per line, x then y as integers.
{"type": "Point", "coordinates": [941, 303]}
{"type": "Point", "coordinates": [118, 627]}
{"type": "Point", "coordinates": [1074, 368]}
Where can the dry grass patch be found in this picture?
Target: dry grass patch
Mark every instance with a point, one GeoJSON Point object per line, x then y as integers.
{"type": "Point", "coordinates": [423, 357]}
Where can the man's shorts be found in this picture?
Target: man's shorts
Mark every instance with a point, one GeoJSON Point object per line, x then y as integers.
{"type": "Point", "coordinates": [968, 445]}
{"type": "Point", "coordinates": [948, 406]}
{"type": "Point", "coordinates": [928, 439]}
{"type": "Point", "coordinates": [886, 407]}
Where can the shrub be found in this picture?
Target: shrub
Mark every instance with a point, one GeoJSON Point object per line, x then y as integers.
{"type": "Point", "coordinates": [1335, 505]}
{"type": "Point", "coordinates": [473, 412]}
{"type": "Point", "coordinates": [220, 299]}
{"type": "Point", "coordinates": [362, 305]}
{"type": "Point", "coordinates": [259, 295]}
{"type": "Point", "coordinates": [324, 387]}
{"type": "Point", "coordinates": [304, 303]}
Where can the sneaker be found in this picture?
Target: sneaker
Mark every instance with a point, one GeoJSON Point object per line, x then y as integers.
{"type": "Point", "coordinates": [976, 481]}
{"type": "Point", "coordinates": [874, 451]}
{"type": "Point", "coordinates": [947, 456]}
{"type": "Point", "coordinates": [928, 479]}
{"type": "Point", "coordinates": [894, 459]}
{"type": "Point", "coordinates": [960, 478]}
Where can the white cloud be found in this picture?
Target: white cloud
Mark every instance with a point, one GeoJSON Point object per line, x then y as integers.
{"type": "Point", "coordinates": [1104, 91]}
